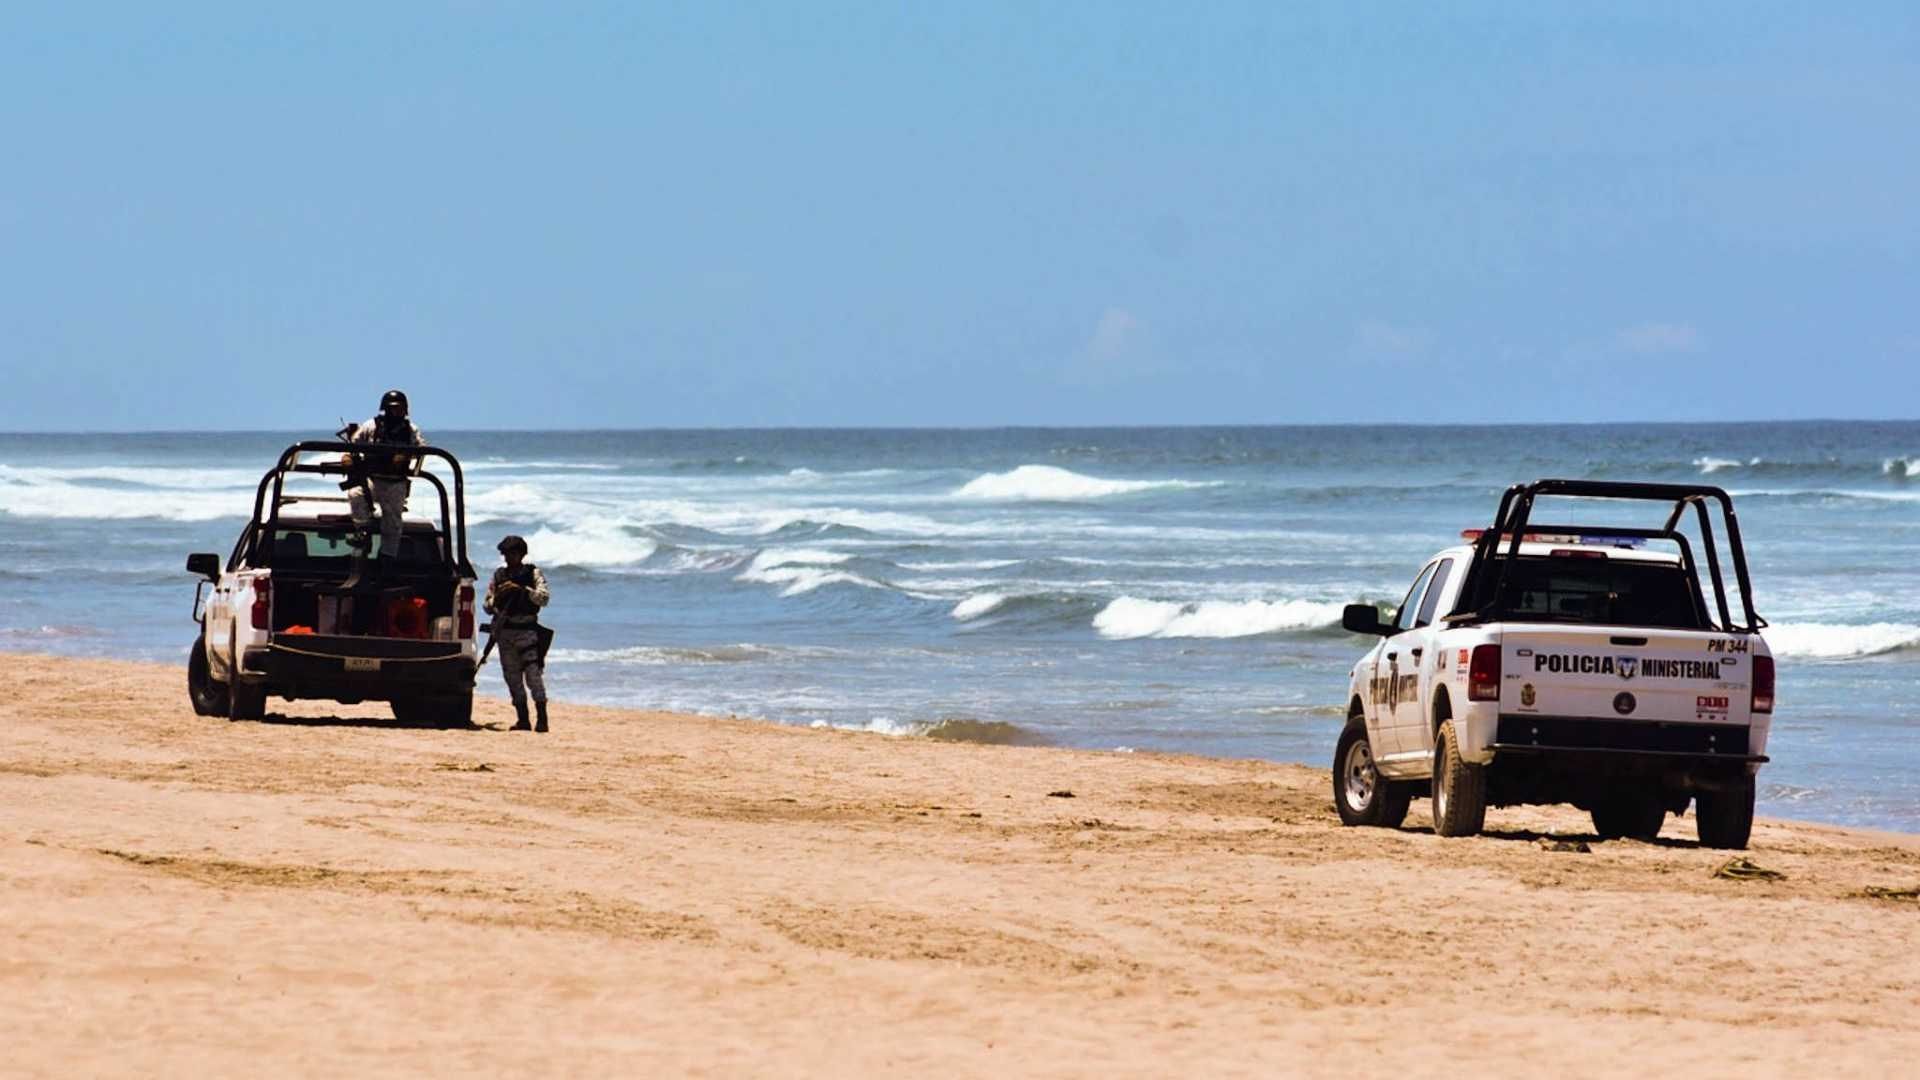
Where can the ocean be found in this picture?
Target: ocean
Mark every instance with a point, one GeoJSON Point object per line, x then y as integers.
{"type": "Point", "coordinates": [1116, 589]}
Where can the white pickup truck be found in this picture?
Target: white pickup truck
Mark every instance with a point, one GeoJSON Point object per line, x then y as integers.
{"type": "Point", "coordinates": [294, 614]}
{"type": "Point", "coordinates": [1551, 663]}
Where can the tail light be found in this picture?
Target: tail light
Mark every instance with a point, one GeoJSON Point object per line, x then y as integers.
{"type": "Point", "coordinates": [465, 628]}
{"type": "Point", "coordinates": [262, 603]}
{"type": "Point", "coordinates": [1763, 684]}
{"type": "Point", "coordinates": [1483, 674]}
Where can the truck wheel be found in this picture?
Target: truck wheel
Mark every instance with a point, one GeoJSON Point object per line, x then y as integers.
{"type": "Point", "coordinates": [1630, 813]}
{"type": "Point", "coordinates": [244, 702]}
{"type": "Point", "coordinates": [455, 711]}
{"type": "Point", "coordinates": [1725, 818]}
{"type": "Point", "coordinates": [1360, 793]}
{"type": "Point", "coordinates": [408, 711]}
{"type": "Point", "coordinates": [209, 698]}
{"type": "Point", "coordinates": [1459, 788]}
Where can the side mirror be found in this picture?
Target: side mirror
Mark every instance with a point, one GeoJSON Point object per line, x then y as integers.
{"type": "Point", "coordinates": [1363, 619]}
{"type": "Point", "coordinates": [205, 564]}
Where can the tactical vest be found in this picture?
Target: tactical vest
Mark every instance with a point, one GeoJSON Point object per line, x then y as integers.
{"type": "Point", "coordinates": [515, 607]}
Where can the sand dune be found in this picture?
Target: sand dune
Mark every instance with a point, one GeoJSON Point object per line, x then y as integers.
{"type": "Point", "coordinates": [647, 894]}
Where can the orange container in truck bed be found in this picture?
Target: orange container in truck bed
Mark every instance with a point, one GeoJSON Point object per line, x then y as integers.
{"type": "Point", "coordinates": [407, 617]}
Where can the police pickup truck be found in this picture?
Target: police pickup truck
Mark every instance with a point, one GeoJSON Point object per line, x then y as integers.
{"type": "Point", "coordinates": [296, 613]}
{"type": "Point", "coordinates": [1583, 664]}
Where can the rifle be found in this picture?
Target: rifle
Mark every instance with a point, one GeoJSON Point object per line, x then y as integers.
{"type": "Point", "coordinates": [543, 635]}
{"type": "Point", "coordinates": [484, 653]}
{"type": "Point", "coordinates": [487, 627]}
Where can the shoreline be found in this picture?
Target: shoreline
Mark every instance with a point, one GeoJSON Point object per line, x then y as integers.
{"type": "Point", "coordinates": [664, 892]}
{"type": "Point", "coordinates": [1001, 733]}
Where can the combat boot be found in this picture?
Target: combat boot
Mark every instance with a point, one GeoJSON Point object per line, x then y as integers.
{"type": "Point", "coordinates": [521, 708]}
{"type": "Point", "coordinates": [541, 724]}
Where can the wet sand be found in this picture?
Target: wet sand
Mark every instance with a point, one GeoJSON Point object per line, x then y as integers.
{"type": "Point", "coordinates": [650, 894]}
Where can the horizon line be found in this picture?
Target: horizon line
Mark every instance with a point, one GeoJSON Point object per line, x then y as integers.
{"type": "Point", "coordinates": [1324, 425]}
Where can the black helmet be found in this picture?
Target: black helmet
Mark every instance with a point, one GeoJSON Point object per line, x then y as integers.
{"type": "Point", "coordinates": [511, 544]}
{"type": "Point", "coordinates": [395, 400]}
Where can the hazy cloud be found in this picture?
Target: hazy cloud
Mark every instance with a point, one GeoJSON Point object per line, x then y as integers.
{"type": "Point", "coordinates": [1115, 336]}
{"type": "Point", "coordinates": [1119, 347]}
{"type": "Point", "coordinates": [1382, 338]}
{"type": "Point", "coordinates": [1660, 337]}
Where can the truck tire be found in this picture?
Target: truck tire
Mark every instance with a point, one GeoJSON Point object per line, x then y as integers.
{"type": "Point", "coordinates": [453, 711]}
{"type": "Point", "coordinates": [1459, 788]}
{"type": "Point", "coordinates": [244, 702]}
{"type": "Point", "coordinates": [209, 698]}
{"type": "Point", "coordinates": [1360, 793]}
{"type": "Point", "coordinates": [411, 712]}
{"type": "Point", "coordinates": [1725, 818]}
{"type": "Point", "coordinates": [1631, 813]}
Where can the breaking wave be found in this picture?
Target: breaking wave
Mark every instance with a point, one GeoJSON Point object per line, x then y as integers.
{"type": "Point", "coordinates": [1713, 464]}
{"type": "Point", "coordinates": [1901, 468]}
{"type": "Point", "coordinates": [32, 632]}
{"type": "Point", "coordinates": [545, 466]}
{"type": "Point", "coordinates": [802, 570]}
{"type": "Point", "coordinates": [589, 546]}
{"type": "Point", "coordinates": [76, 502]}
{"type": "Point", "coordinates": [657, 655]}
{"type": "Point", "coordinates": [951, 729]}
{"type": "Point", "coordinates": [1131, 617]}
{"type": "Point", "coordinates": [1819, 496]}
{"type": "Point", "coordinates": [1840, 641]}
{"type": "Point", "coordinates": [1296, 710]}
{"type": "Point", "coordinates": [975, 606]}
{"type": "Point", "coordinates": [1053, 484]}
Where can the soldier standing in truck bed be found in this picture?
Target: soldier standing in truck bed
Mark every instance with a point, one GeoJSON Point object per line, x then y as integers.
{"type": "Point", "coordinates": [514, 599]}
{"type": "Point", "coordinates": [387, 484]}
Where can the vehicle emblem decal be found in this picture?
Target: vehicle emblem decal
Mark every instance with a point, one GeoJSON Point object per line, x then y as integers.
{"type": "Point", "coordinates": [1623, 703]}
{"type": "Point", "coordinates": [1625, 666]}
{"type": "Point", "coordinates": [1527, 696]}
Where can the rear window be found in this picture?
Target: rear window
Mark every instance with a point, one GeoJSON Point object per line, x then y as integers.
{"type": "Point", "coordinates": [1610, 592]}
{"type": "Point", "coordinates": [320, 548]}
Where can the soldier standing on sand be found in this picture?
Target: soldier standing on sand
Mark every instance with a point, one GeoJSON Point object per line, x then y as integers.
{"type": "Point", "coordinates": [514, 599]}
{"type": "Point", "coordinates": [386, 476]}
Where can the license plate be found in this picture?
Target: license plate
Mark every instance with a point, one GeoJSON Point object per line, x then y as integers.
{"type": "Point", "coordinates": [362, 663]}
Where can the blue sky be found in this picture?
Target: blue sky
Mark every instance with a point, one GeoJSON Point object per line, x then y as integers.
{"type": "Point", "coordinates": [636, 215]}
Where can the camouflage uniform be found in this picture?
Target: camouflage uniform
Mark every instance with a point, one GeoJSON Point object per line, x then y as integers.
{"type": "Point", "coordinates": [515, 613]}
{"type": "Point", "coordinates": [389, 491]}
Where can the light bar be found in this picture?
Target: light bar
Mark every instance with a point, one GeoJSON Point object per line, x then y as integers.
{"type": "Point", "coordinates": [1472, 535]}
{"type": "Point", "coordinates": [1529, 538]}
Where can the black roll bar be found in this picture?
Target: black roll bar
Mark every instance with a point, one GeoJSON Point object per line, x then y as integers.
{"type": "Point", "coordinates": [453, 515]}
{"type": "Point", "coordinates": [1516, 508]}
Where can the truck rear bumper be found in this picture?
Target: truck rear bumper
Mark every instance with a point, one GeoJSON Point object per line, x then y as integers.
{"type": "Point", "coordinates": [1578, 759]}
{"type": "Point", "coordinates": [1604, 754]}
{"type": "Point", "coordinates": [1607, 736]}
{"type": "Point", "coordinates": [362, 669]}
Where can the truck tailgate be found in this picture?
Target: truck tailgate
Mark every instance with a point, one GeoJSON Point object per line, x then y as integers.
{"type": "Point", "coordinates": [1675, 676]}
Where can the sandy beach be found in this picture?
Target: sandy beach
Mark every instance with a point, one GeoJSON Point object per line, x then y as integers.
{"type": "Point", "coordinates": [652, 894]}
